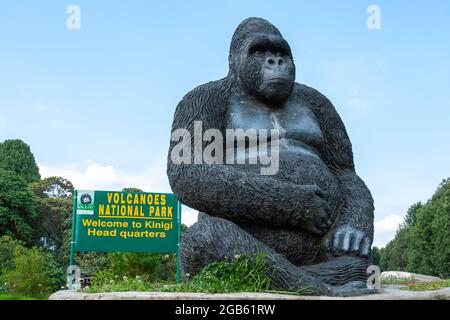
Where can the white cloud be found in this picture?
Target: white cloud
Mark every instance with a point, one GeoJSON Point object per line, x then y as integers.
{"type": "Point", "coordinates": [386, 228]}
{"type": "Point", "coordinates": [95, 176]}
{"type": "Point", "coordinates": [188, 216]}
{"type": "Point", "coordinates": [357, 103]}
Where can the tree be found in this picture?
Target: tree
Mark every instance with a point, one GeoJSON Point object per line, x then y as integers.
{"type": "Point", "coordinates": [16, 156]}
{"type": "Point", "coordinates": [411, 214]}
{"type": "Point", "coordinates": [132, 189]}
{"type": "Point", "coordinates": [17, 207]}
{"type": "Point", "coordinates": [374, 257]}
{"type": "Point", "coordinates": [54, 207]}
{"type": "Point", "coordinates": [8, 248]}
{"type": "Point", "coordinates": [429, 246]}
{"type": "Point", "coordinates": [422, 243]}
{"type": "Point", "coordinates": [394, 255]}
{"type": "Point", "coordinates": [54, 187]}
{"type": "Point", "coordinates": [30, 275]}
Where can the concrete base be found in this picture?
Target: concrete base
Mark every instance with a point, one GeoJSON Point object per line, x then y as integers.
{"type": "Point", "coordinates": [389, 292]}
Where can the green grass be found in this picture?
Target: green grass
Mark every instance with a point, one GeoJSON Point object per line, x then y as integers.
{"type": "Point", "coordinates": [243, 274]}
{"type": "Point", "coordinates": [420, 286]}
{"type": "Point", "coordinates": [425, 286]}
{"type": "Point", "coordinates": [397, 281]}
{"type": "Point", "coordinates": [14, 297]}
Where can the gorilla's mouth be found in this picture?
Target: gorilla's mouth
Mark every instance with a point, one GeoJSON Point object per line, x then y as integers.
{"type": "Point", "coordinates": [279, 84]}
{"type": "Point", "coordinates": [278, 79]}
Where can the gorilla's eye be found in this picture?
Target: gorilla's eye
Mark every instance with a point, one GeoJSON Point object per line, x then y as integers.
{"type": "Point", "coordinates": [258, 53]}
{"type": "Point", "coordinates": [282, 52]}
{"type": "Point", "coordinates": [257, 50]}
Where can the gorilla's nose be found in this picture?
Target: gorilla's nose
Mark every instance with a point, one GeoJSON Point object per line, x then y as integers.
{"type": "Point", "coordinates": [274, 61]}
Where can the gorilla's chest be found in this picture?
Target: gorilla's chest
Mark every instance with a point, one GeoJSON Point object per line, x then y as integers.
{"type": "Point", "coordinates": [298, 127]}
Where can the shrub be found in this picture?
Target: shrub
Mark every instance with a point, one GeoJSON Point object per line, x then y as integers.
{"type": "Point", "coordinates": [156, 267]}
{"type": "Point", "coordinates": [243, 274]}
{"type": "Point", "coordinates": [8, 247]}
{"type": "Point", "coordinates": [30, 274]}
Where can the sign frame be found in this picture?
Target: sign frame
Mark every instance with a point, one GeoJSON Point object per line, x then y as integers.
{"type": "Point", "coordinates": [85, 211]}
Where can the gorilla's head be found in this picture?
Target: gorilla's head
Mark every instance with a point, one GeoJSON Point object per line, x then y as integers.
{"type": "Point", "coordinates": [261, 61]}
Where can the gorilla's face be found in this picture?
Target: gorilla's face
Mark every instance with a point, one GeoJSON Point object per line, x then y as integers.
{"type": "Point", "coordinates": [265, 68]}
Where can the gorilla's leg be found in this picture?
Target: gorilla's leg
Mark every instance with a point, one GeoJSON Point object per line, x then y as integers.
{"type": "Point", "coordinates": [340, 270]}
{"type": "Point", "coordinates": [213, 239]}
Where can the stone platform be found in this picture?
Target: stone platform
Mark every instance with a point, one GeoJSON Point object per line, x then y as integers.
{"type": "Point", "coordinates": [389, 292]}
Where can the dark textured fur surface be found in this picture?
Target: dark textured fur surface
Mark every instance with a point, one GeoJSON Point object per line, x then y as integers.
{"type": "Point", "coordinates": [244, 211]}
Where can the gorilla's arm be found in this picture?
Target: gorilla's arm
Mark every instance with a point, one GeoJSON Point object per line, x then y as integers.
{"type": "Point", "coordinates": [227, 191]}
{"type": "Point", "coordinates": [354, 226]}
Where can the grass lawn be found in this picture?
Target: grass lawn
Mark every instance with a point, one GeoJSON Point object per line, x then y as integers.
{"type": "Point", "coordinates": [9, 297]}
{"type": "Point", "coordinates": [420, 286]}
{"type": "Point", "coordinates": [425, 286]}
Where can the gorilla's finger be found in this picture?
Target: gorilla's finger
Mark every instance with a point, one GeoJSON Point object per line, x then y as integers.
{"type": "Point", "coordinates": [337, 240]}
{"type": "Point", "coordinates": [365, 247]}
{"type": "Point", "coordinates": [346, 242]}
{"type": "Point", "coordinates": [357, 242]}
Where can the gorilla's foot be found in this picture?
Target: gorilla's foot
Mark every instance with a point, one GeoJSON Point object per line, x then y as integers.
{"type": "Point", "coordinates": [212, 239]}
{"type": "Point", "coordinates": [341, 270]}
{"type": "Point", "coordinates": [354, 288]}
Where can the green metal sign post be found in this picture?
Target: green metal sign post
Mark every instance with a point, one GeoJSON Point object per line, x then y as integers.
{"type": "Point", "coordinates": [111, 221]}
{"type": "Point", "coordinates": [72, 240]}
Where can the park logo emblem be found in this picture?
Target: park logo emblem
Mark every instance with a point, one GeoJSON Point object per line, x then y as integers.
{"type": "Point", "coordinates": [85, 202]}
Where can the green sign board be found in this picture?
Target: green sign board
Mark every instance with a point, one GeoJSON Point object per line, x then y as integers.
{"type": "Point", "coordinates": [126, 222]}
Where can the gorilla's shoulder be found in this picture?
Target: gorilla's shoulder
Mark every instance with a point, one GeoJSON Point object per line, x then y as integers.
{"type": "Point", "coordinates": [313, 96]}
{"type": "Point", "coordinates": [208, 91]}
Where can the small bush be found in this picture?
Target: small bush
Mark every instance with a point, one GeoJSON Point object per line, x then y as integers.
{"type": "Point", "coordinates": [8, 249]}
{"type": "Point", "coordinates": [29, 276]}
{"type": "Point", "coordinates": [105, 282]}
{"type": "Point", "coordinates": [240, 275]}
{"type": "Point", "coordinates": [244, 274]}
{"type": "Point", "coordinates": [425, 286]}
{"type": "Point", "coordinates": [157, 267]}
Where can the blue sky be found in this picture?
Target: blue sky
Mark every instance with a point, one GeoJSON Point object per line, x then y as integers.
{"type": "Point", "coordinates": [96, 104]}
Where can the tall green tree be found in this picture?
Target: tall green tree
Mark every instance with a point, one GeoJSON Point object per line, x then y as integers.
{"type": "Point", "coordinates": [16, 156]}
{"type": "Point", "coordinates": [374, 257]}
{"type": "Point", "coordinates": [54, 207]}
{"type": "Point", "coordinates": [17, 207]}
{"type": "Point", "coordinates": [429, 244]}
{"type": "Point", "coordinates": [411, 214]}
{"type": "Point", "coordinates": [422, 244]}
{"type": "Point", "coordinates": [394, 255]}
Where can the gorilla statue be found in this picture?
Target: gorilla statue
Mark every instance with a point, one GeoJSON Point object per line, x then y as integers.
{"type": "Point", "coordinates": [313, 219]}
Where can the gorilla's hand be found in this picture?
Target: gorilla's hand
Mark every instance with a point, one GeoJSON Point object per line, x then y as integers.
{"type": "Point", "coordinates": [316, 215]}
{"type": "Point", "coordinates": [348, 240]}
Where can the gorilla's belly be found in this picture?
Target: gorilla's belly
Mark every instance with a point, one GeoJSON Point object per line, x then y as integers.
{"type": "Point", "coordinates": [299, 246]}
{"type": "Point", "coordinates": [303, 168]}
